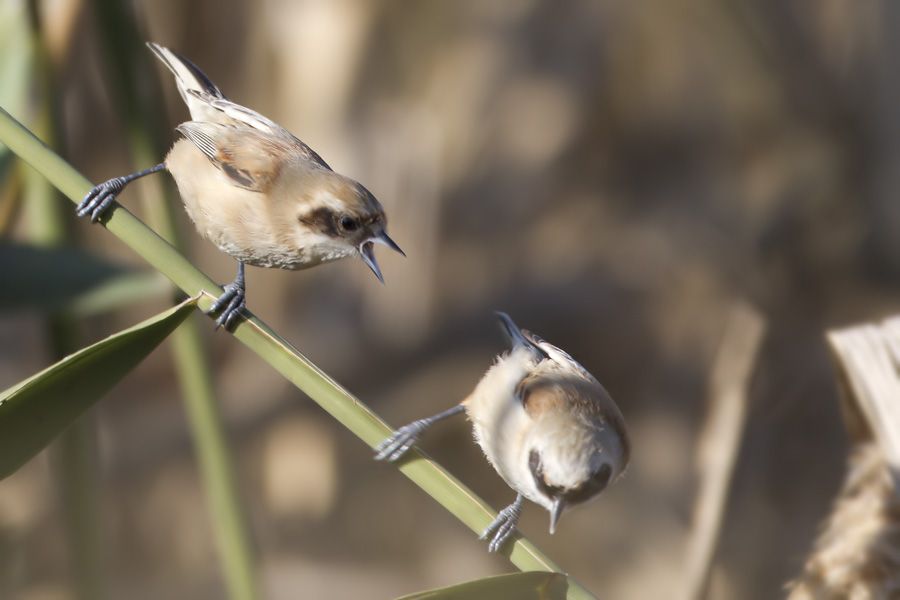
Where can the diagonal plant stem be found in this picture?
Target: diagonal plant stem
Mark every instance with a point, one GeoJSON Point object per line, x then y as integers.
{"type": "Point", "coordinates": [284, 358]}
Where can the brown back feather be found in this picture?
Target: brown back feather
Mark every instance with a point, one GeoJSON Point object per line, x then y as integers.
{"type": "Point", "coordinates": [542, 393]}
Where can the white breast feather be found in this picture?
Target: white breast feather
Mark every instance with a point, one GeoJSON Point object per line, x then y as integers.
{"type": "Point", "coordinates": [501, 425]}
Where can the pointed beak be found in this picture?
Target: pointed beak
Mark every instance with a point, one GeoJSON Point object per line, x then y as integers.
{"type": "Point", "coordinates": [385, 240]}
{"type": "Point", "coordinates": [366, 251]}
{"type": "Point", "coordinates": [368, 256]}
{"type": "Point", "coordinates": [517, 338]}
{"type": "Point", "coordinates": [512, 331]}
{"type": "Point", "coordinates": [555, 513]}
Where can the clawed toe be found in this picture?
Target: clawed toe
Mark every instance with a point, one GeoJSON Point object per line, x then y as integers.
{"type": "Point", "coordinates": [232, 313]}
{"type": "Point", "coordinates": [97, 201]}
{"type": "Point", "coordinates": [229, 307]}
{"type": "Point", "coordinates": [394, 447]}
{"type": "Point", "coordinates": [503, 526]}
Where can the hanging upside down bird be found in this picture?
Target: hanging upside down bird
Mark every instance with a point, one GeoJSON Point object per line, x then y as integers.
{"type": "Point", "coordinates": [545, 424]}
{"type": "Point", "coordinates": [255, 191]}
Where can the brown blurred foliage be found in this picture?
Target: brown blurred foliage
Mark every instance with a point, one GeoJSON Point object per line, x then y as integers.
{"type": "Point", "coordinates": [615, 175]}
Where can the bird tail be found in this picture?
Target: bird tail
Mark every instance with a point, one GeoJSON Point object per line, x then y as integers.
{"type": "Point", "coordinates": [194, 86]}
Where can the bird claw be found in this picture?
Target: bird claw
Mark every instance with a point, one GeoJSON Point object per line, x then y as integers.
{"type": "Point", "coordinates": [503, 526]}
{"type": "Point", "coordinates": [229, 306]}
{"type": "Point", "coordinates": [97, 201]}
{"type": "Point", "coordinates": [400, 441]}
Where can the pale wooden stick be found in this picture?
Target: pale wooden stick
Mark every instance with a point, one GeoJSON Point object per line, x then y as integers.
{"type": "Point", "coordinates": [868, 356]}
{"type": "Point", "coordinates": [720, 441]}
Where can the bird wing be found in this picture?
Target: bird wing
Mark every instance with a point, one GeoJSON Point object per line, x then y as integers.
{"type": "Point", "coordinates": [558, 355]}
{"type": "Point", "coordinates": [207, 104]}
{"type": "Point", "coordinates": [251, 158]}
{"type": "Point", "coordinates": [542, 392]}
{"type": "Point", "coordinates": [545, 392]}
{"type": "Point", "coordinates": [231, 113]}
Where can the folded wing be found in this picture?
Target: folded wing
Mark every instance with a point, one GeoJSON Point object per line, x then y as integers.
{"type": "Point", "coordinates": [219, 125]}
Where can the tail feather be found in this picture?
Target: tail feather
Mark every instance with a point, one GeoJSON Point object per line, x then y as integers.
{"type": "Point", "coordinates": [189, 78]}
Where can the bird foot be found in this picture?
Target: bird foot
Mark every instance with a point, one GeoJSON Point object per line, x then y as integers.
{"type": "Point", "coordinates": [400, 441]}
{"type": "Point", "coordinates": [97, 201]}
{"type": "Point", "coordinates": [229, 306]}
{"type": "Point", "coordinates": [503, 526]}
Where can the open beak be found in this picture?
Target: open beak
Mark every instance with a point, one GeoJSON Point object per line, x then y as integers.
{"type": "Point", "coordinates": [383, 239]}
{"type": "Point", "coordinates": [368, 256]}
{"type": "Point", "coordinates": [556, 512]}
{"type": "Point", "coordinates": [366, 251]}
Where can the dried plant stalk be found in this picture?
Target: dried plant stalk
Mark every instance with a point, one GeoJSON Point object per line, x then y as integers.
{"type": "Point", "coordinates": [857, 555]}
{"type": "Point", "coordinates": [720, 441]}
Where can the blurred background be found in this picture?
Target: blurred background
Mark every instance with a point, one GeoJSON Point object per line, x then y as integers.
{"type": "Point", "coordinates": [615, 175]}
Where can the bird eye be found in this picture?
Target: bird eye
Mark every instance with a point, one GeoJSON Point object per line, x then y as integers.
{"type": "Point", "coordinates": [349, 223]}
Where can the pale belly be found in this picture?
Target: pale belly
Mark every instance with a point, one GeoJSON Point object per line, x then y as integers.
{"type": "Point", "coordinates": [501, 427]}
{"type": "Point", "coordinates": [240, 222]}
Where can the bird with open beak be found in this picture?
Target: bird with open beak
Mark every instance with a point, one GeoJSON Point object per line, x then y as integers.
{"type": "Point", "coordinates": [256, 191]}
{"type": "Point", "coordinates": [544, 423]}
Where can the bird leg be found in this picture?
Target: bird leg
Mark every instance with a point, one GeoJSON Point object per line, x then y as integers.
{"type": "Point", "coordinates": [98, 200]}
{"type": "Point", "coordinates": [503, 526]}
{"type": "Point", "coordinates": [232, 301]}
{"type": "Point", "coordinates": [402, 439]}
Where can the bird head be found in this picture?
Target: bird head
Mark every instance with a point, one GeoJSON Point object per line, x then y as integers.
{"type": "Point", "coordinates": [346, 220]}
